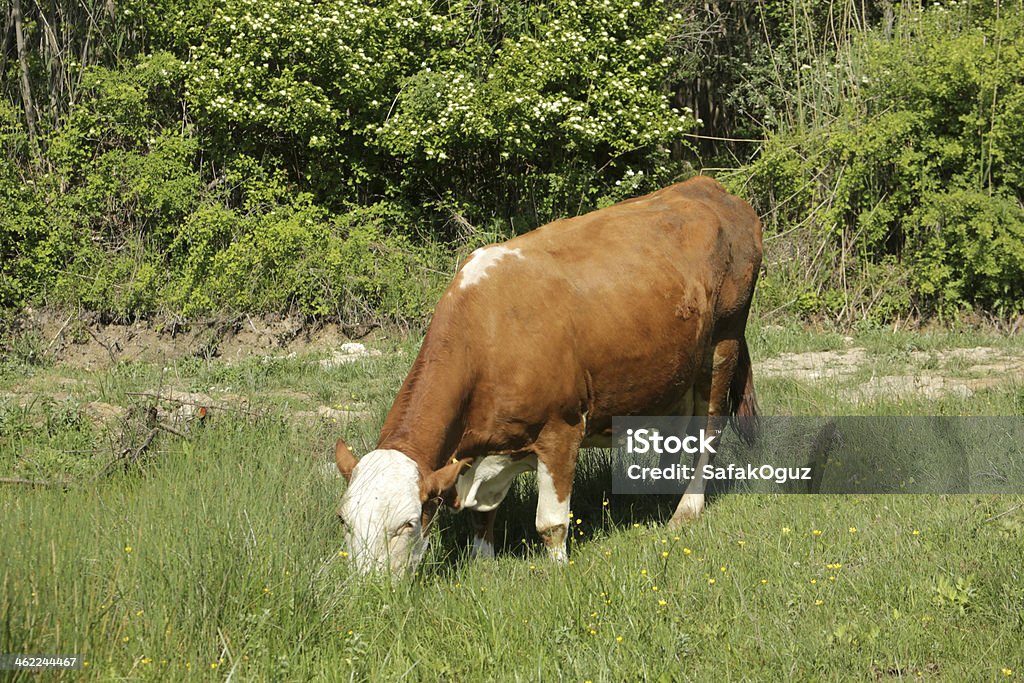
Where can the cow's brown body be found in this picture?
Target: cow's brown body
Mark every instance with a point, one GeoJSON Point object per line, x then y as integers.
{"type": "Point", "coordinates": [636, 309]}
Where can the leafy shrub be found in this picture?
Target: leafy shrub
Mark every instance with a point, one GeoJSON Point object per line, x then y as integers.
{"type": "Point", "coordinates": [354, 266]}
{"type": "Point", "coordinates": [483, 106]}
{"type": "Point", "coordinates": [910, 199]}
{"type": "Point", "coordinates": [330, 159]}
{"type": "Point", "coordinates": [335, 159]}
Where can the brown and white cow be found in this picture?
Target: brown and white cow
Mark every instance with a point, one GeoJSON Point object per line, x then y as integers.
{"type": "Point", "coordinates": [636, 309]}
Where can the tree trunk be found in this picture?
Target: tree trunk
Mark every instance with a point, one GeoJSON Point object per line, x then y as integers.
{"type": "Point", "coordinates": [26, 85]}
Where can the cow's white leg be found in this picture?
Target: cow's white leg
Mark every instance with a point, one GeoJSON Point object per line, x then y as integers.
{"type": "Point", "coordinates": [710, 398]}
{"type": "Point", "coordinates": [483, 536]}
{"type": "Point", "coordinates": [692, 503]}
{"type": "Point", "coordinates": [552, 514]}
{"type": "Point", "coordinates": [689, 508]}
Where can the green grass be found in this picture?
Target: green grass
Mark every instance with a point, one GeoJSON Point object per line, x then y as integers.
{"type": "Point", "coordinates": [219, 556]}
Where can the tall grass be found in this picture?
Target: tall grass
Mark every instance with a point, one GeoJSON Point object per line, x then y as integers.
{"type": "Point", "coordinates": [219, 558]}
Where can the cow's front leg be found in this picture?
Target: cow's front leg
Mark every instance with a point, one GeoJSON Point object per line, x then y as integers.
{"type": "Point", "coordinates": [552, 511]}
{"type": "Point", "coordinates": [483, 533]}
{"type": "Point", "coordinates": [556, 447]}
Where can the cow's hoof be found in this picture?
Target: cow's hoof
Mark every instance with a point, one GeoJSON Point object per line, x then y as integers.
{"type": "Point", "coordinates": [482, 549]}
{"type": "Point", "coordinates": [689, 509]}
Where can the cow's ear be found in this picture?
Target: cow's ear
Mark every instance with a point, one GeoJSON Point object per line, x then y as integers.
{"type": "Point", "coordinates": [439, 481]}
{"type": "Point", "coordinates": [344, 459]}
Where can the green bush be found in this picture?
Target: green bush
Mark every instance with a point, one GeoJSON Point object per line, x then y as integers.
{"type": "Point", "coordinates": [122, 222]}
{"type": "Point", "coordinates": [22, 218]}
{"type": "Point", "coordinates": [969, 247]}
{"type": "Point", "coordinates": [490, 107]}
{"type": "Point", "coordinates": [335, 159]}
{"type": "Point", "coordinates": [299, 257]}
{"type": "Point", "coordinates": [328, 159]}
{"type": "Point", "coordinates": [909, 201]}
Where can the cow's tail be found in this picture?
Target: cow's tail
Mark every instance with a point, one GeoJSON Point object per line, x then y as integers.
{"type": "Point", "coordinates": [742, 399]}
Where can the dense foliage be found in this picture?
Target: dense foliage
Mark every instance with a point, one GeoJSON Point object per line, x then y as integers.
{"type": "Point", "coordinates": [328, 158]}
{"type": "Point", "coordinates": [335, 159]}
{"type": "Point", "coordinates": [909, 197]}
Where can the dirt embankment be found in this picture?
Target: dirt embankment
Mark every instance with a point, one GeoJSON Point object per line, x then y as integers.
{"type": "Point", "coordinates": [74, 343]}
{"type": "Point", "coordinates": [72, 340]}
{"type": "Point", "coordinates": [79, 342]}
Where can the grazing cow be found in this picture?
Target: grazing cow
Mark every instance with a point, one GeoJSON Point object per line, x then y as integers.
{"type": "Point", "coordinates": [636, 309]}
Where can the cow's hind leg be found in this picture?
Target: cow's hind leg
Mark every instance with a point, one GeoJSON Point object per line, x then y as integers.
{"type": "Point", "coordinates": [556, 449]}
{"type": "Point", "coordinates": [483, 533]}
{"type": "Point", "coordinates": [711, 398]}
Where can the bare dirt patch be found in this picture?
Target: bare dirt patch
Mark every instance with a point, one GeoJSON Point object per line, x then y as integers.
{"type": "Point", "coordinates": [926, 386]}
{"type": "Point", "coordinates": [98, 411]}
{"type": "Point", "coordinates": [333, 415]}
{"type": "Point", "coordinates": [349, 352]}
{"type": "Point", "coordinates": [814, 364]}
{"type": "Point", "coordinates": [951, 372]}
{"type": "Point", "coordinates": [79, 342]}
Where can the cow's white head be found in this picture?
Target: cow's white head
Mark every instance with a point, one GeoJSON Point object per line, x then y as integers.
{"type": "Point", "coordinates": [388, 507]}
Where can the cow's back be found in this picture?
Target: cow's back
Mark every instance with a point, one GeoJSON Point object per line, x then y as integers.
{"type": "Point", "coordinates": [612, 312]}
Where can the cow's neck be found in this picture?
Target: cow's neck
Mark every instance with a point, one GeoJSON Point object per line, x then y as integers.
{"type": "Point", "coordinates": [427, 420]}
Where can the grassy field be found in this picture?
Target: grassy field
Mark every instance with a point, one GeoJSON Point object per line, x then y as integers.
{"type": "Point", "coordinates": [216, 554]}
